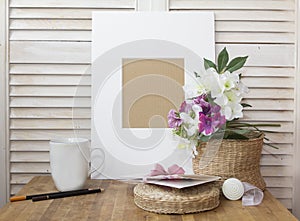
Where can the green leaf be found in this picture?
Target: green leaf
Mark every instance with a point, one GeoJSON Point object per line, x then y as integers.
{"type": "Point", "coordinates": [209, 64]}
{"type": "Point", "coordinates": [234, 135]}
{"type": "Point", "coordinates": [236, 64]}
{"type": "Point", "coordinates": [196, 74]}
{"type": "Point", "coordinates": [246, 105]}
{"type": "Point", "coordinates": [222, 60]}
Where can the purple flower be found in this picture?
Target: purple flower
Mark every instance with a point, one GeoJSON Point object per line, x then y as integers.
{"type": "Point", "coordinates": [205, 125]}
{"type": "Point", "coordinates": [185, 107]}
{"type": "Point", "coordinates": [218, 120]}
{"type": "Point", "coordinates": [205, 106]}
{"type": "Point", "coordinates": [215, 109]}
{"type": "Point", "coordinates": [174, 120]}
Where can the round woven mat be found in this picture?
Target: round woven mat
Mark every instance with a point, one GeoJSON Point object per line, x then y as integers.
{"type": "Point", "coordinates": [167, 200]}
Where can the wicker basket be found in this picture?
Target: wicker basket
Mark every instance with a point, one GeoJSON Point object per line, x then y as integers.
{"type": "Point", "coordinates": [235, 158]}
{"type": "Point", "coordinates": [167, 200]}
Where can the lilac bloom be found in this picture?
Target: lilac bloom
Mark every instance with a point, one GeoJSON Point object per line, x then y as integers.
{"type": "Point", "coordinates": [185, 107]}
{"type": "Point", "coordinates": [215, 109]}
{"type": "Point", "coordinates": [205, 106]}
{"type": "Point", "coordinates": [218, 120]}
{"type": "Point", "coordinates": [174, 120]}
{"type": "Point", "coordinates": [205, 124]}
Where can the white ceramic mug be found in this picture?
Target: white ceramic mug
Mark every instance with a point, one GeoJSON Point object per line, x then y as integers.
{"type": "Point", "coordinates": [69, 162]}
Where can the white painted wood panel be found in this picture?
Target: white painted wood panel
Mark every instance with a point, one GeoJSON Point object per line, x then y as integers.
{"type": "Point", "coordinates": [50, 102]}
{"type": "Point", "coordinates": [73, 4]}
{"type": "Point", "coordinates": [80, 13]}
{"type": "Point", "coordinates": [49, 124]}
{"type": "Point", "coordinates": [79, 52]}
{"type": "Point", "coordinates": [47, 69]}
{"type": "Point", "coordinates": [41, 91]}
{"type": "Point", "coordinates": [232, 4]}
{"type": "Point", "coordinates": [52, 112]}
{"type": "Point", "coordinates": [27, 79]}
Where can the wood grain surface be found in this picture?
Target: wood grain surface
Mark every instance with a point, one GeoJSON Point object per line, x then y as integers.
{"type": "Point", "coordinates": [116, 203]}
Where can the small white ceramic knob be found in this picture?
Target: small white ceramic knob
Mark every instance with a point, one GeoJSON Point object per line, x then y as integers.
{"type": "Point", "coordinates": [233, 189]}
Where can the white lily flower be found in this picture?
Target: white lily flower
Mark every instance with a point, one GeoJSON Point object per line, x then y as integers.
{"type": "Point", "coordinates": [234, 111]}
{"type": "Point", "coordinates": [230, 80]}
{"type": "Point", "coordinates": [242, 89]}
{"type": "Point", "coordinates": [212, 82]}
{"type": "Point", "coordinates": [221, 100]}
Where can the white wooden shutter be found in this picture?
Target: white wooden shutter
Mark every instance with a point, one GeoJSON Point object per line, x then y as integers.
{"type": "Point", "coordinates": [50, 44]}
{"type": "Point", "coordinates": [50, 51]}
{"type": "Point", "coordinates": [264, 30]}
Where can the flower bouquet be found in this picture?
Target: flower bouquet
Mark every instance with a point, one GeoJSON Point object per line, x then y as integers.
{"type": "Point", "coordinates": [210, 112]}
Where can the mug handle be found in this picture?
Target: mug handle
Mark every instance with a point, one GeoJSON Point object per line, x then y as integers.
{"type": "Point", "coordinates": [92, 170]}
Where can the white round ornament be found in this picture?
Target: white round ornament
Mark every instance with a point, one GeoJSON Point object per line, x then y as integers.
{"type": "Point", "coordinates": [233, 189]}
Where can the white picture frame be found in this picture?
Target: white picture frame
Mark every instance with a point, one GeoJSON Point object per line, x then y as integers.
{"type": "Point", "coordinates": [131, 152]}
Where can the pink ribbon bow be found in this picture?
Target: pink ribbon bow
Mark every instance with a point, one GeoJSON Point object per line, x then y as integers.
{"type": "Point", "coordinates": [159, 170]}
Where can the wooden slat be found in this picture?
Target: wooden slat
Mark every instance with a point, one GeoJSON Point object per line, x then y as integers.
{"type": "Point", "coordinates": [29, 157]}
{"type": "Point", "coordinates": [223, 37]}
{"type": "Point", "coordinates": [268, 104]}
{"type": "Point", "coordinates": [271, 93]}
{"type": "Point", "coordinates": [24, 178]}
{"type": "Point", "coordinates": [61, 52]}
{"type": "Point", "coordinates": [41, 91]}
{"type": "Point", "coordinates": [231, 4]}
{"type": "Point", "coordinates": [50, 112]}
{"type": "Point", "coordinates": [253, 15]}
{"type": "Point", "coordinates": [225, 26]}
{"type": "Point", "coordinates": [282, 160]}
{"type": "Point", "coordinates": [268, 115]}
{"type": "Point", "coordinates": [42, 24]}
{"type": "Point", "coordinates": [79, 52]}
{"type": "Point", "coordinates": [48, 69]}
{"type": "Point", "coordinates": [50, 124]}
{"type": "Point", "coordinates": [30, 168]}
{"type": "Point", "coordinates": [257, 26]}
{"type": "Point", "coordinates": [58, 35]}
{"type": "Point", "coordinates": [50, 102]}
{"type": "Point", "coordinates": [268, 71]}
{"type": "Point", "coordinates": [81, 13]}
{"type": "Point", "coordinates": [49, 80]}
{"type": "Point", "coordinates": [72, 4]}
{"type": "Point", "coordinates": [280, 137]}
{"type": "Point", "coordinates": [269, 82]}
{"type": "Point", "coordinates": [47, 134]}
{"type": "Point", "coordinates": [282, 149]}
{"type": "Point", "coordinates": [276, 171]}
{"type": "Point", "coordinates": [29, 146]}
{"type": "Point", "coordinates": [279, 181]}
{"type": "Point", "coordinates": [263, 55]}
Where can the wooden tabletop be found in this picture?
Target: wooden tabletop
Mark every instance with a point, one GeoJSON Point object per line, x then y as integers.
{"type": "Point", "coordinates": [116, 203]}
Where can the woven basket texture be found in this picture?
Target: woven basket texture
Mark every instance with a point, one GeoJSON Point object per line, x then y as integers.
{"type": "Point", "coordinates": [167, 200]}
{"type": "Point", "coordinates": [235, 158]}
